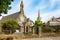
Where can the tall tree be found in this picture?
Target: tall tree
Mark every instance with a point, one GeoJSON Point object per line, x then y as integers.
{"type": "Point", "coordinates": [5, 5]}
{"type": "Point", "coordinates": [39, 24]}
{"type": "Point", "coordinates": [10, 24]}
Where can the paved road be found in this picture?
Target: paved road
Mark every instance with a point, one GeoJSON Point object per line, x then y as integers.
{"type": "Point", "coordinates": [47, 38]}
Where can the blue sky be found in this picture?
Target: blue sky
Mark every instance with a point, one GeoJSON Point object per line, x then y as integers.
{"type": "Point", "coordinates": [48, 8]}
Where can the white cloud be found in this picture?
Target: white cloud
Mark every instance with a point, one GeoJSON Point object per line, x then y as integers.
{"type": "Point", "coordinates": [27, 2]}
{"type": "Point", "coordinates": [47, 16]}
{"type": "Point", "coordinates": [33, 15]}
{"type": "Point", "coordinates": [52, 2]}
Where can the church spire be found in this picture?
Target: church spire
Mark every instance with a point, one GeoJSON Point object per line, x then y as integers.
{"type": "Point", "coordinates": [22, 17]}
{"type": "Point", "coordinates": [38, 18]}
{"type": "Point", "coordinates": [21, 7]}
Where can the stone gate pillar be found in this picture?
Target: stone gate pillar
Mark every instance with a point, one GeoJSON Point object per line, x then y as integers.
{"type": "Point", "coordinates": [33, 30]}
{"type": "Point", "coordinates": [22, 29]}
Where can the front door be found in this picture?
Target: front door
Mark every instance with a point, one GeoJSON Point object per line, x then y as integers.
{"type": "Point", "coordinates": [26, 29]}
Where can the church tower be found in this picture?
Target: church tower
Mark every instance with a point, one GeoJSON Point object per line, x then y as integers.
{"type": "Point", "coordinates": [38, 18]}
{"type": "Point", "coordinates": [22, 8]}
{"type": "Point", "coordinates": [22, 16]}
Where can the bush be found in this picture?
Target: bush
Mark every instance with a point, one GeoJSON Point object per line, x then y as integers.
{"type": "Point", "coordinates": [10, 25]}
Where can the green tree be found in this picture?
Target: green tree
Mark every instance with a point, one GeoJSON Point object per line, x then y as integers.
{"type": "Point", "coordinates": [10, 24]}
{"type": "Point", "coordinates": [39, 24]}
{"type": "Point", "coordinates": [5, 5]}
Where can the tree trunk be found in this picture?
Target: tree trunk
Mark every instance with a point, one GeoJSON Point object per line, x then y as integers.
{"type": "Point", "coordinates": [10, 31]}
{"type": "Point", "coordinates": [40, 32]}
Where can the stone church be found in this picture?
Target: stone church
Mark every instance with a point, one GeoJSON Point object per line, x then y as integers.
{"type": "Point", "coordinates": [24, 22]}
{"type": "Point", "coordinates": [26, 25]}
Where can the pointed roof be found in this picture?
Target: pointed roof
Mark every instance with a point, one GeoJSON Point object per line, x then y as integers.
{"type": "Point", "coordinates": [21, 3]}
{"type": "Point", "coordinates": [53, 19]}
{"type": "Point", "coordinates": [38, 18]}
{"type": "Point", "coordinates": [22, 7]}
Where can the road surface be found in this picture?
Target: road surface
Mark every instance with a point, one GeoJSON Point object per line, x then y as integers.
{"type": "Point", "coordinates": [46, 38]}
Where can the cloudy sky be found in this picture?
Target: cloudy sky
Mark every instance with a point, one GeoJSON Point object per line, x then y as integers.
{"type": "Point", "coordinates": [48, 8]}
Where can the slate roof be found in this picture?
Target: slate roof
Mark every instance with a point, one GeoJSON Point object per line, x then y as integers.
{"type": "Point", "coordinates": [12, 16]}
{"type": "Point", "coordinates": [58, 19]}
{"type": "Point", "coordinates": [54, 22]}
{"type": "Point", "coordinates": [55, 19]}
